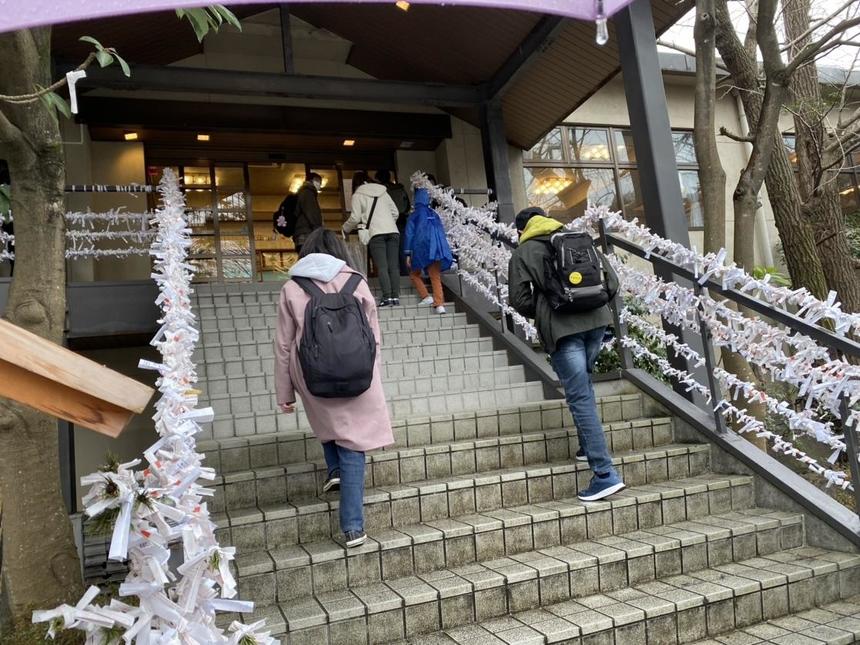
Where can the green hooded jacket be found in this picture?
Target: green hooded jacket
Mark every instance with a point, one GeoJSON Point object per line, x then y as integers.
{"type": "Point", "coordinates": [526, 280]}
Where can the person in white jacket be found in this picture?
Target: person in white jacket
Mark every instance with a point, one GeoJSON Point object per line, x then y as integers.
{"type": "Point", "coordinates": [372, 208]}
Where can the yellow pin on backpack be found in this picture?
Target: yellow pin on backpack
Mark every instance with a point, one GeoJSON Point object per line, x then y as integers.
{"type": "Point", "coordinates": [575, 277]}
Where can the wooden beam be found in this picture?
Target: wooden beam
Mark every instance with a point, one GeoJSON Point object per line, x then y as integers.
{"type": "Point", "coordinates": [53, 379]}
{"type": "Point", "coordinates": [218, 81]}
{"type": "Point", "coordinates": [287, 39]}
{"type": "Point", "coordinates": [538, 40]}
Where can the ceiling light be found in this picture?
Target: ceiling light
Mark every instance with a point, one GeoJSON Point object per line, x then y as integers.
{"type": "Point", "coordinates": [402, 4]}
{"type": "Point", "coordinates": [203, 137]}
{"type": "Point", "coordinates": [349, 142]}
{"type": "Point", "coordinates": [130, 136]}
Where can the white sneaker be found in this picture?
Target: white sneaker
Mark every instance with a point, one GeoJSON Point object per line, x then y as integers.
{"type": "Point", "coordinates": [427, 301]}
{"type": "Point", "coordinates": [440, 310]}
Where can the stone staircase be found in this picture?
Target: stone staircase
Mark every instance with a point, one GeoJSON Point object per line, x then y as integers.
{"type": "Point", "coordinates": [475, 531]}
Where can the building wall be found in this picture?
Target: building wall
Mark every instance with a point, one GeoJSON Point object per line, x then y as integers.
{"type": "Point", "coordinates": [608, 107]}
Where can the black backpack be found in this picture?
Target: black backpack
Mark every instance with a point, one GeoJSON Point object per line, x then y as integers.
{"type": "Point", "coordinates": [575, 277]}
{"type": "Point", "coordinates": [338, 350]}
{"type": "Point", "coordinates": [284, 219]}
{"type": "Point", "coordinates": [400, 198]}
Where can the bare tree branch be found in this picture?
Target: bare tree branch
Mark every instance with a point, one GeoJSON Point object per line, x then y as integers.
{"type": "Point", "coordinates": [736, 137]}
{"type": "Point", "coordinates": [687, 52]}
{"type": "Point", "coordinates": [808, 33]}
{"type": "Point", "coordinates": [810, 50]}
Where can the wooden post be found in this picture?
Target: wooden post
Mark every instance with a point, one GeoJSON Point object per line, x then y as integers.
{"type": "Point", "coordinates": [55, 380]}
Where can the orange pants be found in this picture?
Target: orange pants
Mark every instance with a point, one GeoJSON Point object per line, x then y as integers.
{"type": "Point", "coordinates": [435, 272]}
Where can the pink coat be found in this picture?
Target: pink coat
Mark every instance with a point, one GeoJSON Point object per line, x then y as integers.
{"type": "Point", "coordinates": [360, 423]}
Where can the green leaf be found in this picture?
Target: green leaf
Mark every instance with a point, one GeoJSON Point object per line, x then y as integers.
{"type": "Point", "coordinates": [104, 57]}
{"type": "Point", "coordinates": [200, 22]}
{"type": "Point", "coordinates": [92, 41]}
{"type": "Point", "coordinates": [229, 16]}
{"type": "Point", "coordinates": [180, 13]}
{"type": "Point", "coordinates": [54, 101]}
{"type": "Point", "coordinates": [125, 68]}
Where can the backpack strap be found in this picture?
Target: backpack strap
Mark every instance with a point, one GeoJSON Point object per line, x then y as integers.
{"type": "Point", "coordinates": [309, 287]}
{"type": "Point", "coordinates": [372, 209]}
{"type": "Point", "coordinates": [352, 284]}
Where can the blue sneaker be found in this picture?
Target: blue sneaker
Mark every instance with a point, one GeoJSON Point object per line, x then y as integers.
{"type": "Point", "coordinates": [601, 487]}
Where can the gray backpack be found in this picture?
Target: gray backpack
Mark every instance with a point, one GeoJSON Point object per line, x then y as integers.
{"type": "Point", "coordinates": [337, 351]}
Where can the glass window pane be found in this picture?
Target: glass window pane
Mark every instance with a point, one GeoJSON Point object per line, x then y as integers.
{"type": "Point", "coordinates": [196, 176]}
{"type": "Point", "coordinates": [691, 195]}
{"type": "Point", "coordinates": [200, 219]}
{"type": "Point", "coordinates": [550, 148]}
{"type": "Point", "coordinates": [631, 194]}
{"type": "Point", "coordinates": [790, 145]}
{"type": "Point", "coordinates": [232, 201]}
{"type": "Point", "coordinates": [198, 198]}
{"type": "Point", "coordinates": [204, 269]}
{"type": "Point", "coordinates": [685, 149]}
{"type": "Point", "coordinates": [564, 193]}
{"type": "Point", "coordinates": [229, 177]}
{"type": "Point", "coordinates": [235, 245]}
{"type": "Point", "coordinates": [202, 245]}
{"type": "Point", "coordinates": [848, 194]}
{"type": "Point", "coordinates": [589, 144]}
{"type": "Point", "coordinates": [624, 150]}
{"type": "Point", "coordinates": [236, 268]}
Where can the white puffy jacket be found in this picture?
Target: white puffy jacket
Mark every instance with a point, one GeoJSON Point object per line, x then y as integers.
{"type": "Point", "coordinates": [384, 217]}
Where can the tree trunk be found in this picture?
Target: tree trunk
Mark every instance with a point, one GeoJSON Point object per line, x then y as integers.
{"type": "Point", "coordinates": [40, 566]}
{"type": "Point", "coordinates": [818, 186]}
{"type": "Point", "coordinates": [712, 177]}
{"type": "Point", "coordinates": [804, 265]}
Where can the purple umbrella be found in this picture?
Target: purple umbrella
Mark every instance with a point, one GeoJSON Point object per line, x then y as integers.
{"type": "Point", "coordinates": [32, 13]}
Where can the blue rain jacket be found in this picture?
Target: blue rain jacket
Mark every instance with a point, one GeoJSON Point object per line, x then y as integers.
{"type": "Point", "coordinates": [425, 238]}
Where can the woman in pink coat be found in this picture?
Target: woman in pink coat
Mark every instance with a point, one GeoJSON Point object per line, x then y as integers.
{"type": "Point", "coordinates": [347, 427]}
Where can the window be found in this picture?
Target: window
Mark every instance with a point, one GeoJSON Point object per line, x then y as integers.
{"type": "Point", "coordinates": [577, 165]}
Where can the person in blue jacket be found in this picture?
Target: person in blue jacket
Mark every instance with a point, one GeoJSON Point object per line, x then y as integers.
{"type": "Point", "coordinates": [426, 249]}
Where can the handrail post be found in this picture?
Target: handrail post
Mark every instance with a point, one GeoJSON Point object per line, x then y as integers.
{"type": "Point", "coordinates": [620, 327]}
{"type": "Point", "coordinates": [851, 448]}
{"type": "Point", "coordinates": [710, 364]}
{"type": "Point", "coordinates": [499, 298]}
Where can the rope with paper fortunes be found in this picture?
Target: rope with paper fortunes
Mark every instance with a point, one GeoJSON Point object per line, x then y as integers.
{"type": "Point", "coordinates": [481, 245]}
{"type": "Point", "coordinates": [162, 506]}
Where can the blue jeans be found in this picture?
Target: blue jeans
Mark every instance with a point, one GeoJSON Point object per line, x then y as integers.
{"type": "Point", "coordinates": [573, 361]}
{"type": "Point", "coordinates": [350, 465]}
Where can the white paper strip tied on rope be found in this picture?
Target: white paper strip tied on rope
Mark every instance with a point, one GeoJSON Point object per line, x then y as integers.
{"type": "Point", "coordinates": [746, 422]}
{"type": "Point", "coordinates": [808, 366]}
{"type": "Point", "coordinates": [803, 421]}
{"type": "Point", "coordinates": [162, 506]}
{"type": "Point", "coordinates": [730, 276]}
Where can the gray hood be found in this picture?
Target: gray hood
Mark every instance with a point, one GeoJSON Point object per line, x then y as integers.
{"type": "Point", "coordinates": [317, 266]}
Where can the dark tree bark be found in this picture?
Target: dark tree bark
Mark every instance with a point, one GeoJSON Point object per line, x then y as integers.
{"type": "Point", "coordinates": [804, 264]}
{"type": "Point", "coordinates": [816, 178]}
{"type": "Point", "coordinates": [712, 176]}
{"type": "Point", "coordinates": [40, 566]}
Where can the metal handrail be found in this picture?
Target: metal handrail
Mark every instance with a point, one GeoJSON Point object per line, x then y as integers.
{"type": "Point", "coordinates": [840, 345]}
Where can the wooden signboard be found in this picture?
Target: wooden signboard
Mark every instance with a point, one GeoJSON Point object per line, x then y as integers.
{"type": "Point", "coordinates": [53, 379]}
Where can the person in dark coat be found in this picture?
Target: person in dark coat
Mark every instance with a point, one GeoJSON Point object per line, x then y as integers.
{"type": "Point", "coordinates": [308, 212]}
{"type": "Point", "coordinates": [573, 341]}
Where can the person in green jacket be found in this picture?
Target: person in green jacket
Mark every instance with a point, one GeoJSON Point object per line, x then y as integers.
{"type": "Point", "coordinates": [573, 342]}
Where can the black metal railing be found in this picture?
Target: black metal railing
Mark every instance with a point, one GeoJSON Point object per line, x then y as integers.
{"type": "Point", "coordinates": [839, 346]}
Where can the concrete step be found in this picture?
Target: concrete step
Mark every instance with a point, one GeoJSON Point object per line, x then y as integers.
{"type": "Point", "coordinates": [604, 557]}
{"type": "Point", "coordinates": [265, 399]}
{"type": "Point", "coordinates": [400, 407]}
{"type": "Point", "coordinates": [430, 367]}
{"type": "Point", "coordinates": [393, 333]}
{"type": "Point", "coordinates": [677, 609]}
{"type": "Point", "coordinates": [233, 359]}
{"type": "Point", "coordinates": [236, 455]}
{"type": "Point", "coordinates": [295, 445]}
{"type": "Point", "coordinates": [237, 316]}
{"type": "Point", "coordinates": [514, 602]}
{"type": "Point", "coordinates": [835, 623]}
{"type": "Point", "coordinates": [315, 518]}
{"type": "Point", "coordinates": [239, 486]}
